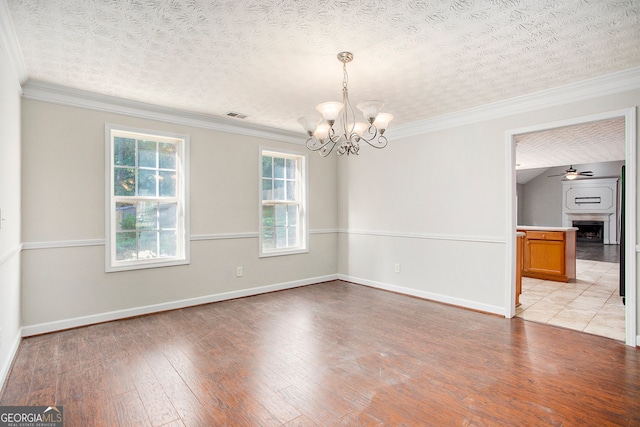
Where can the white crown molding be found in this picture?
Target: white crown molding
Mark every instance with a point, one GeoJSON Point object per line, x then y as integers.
{"type": "Point", "coordinates": [63, 95]}
{"type": "Point", "coordinates": [599, 86]}
{"type": "Point", "coordinates": [9, 43]}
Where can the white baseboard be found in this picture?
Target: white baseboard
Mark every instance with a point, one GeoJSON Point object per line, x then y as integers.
{"type": "Point", "coordinates": [76, 322]}
{"type": "Point", "coordinates": [426, 295]}
{"type": "Point", "coordinates": [6, 364]}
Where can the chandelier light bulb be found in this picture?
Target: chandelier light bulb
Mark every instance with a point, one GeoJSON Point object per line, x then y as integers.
{"type": "Point", "coordinates": [382, 121]}
{"type": "Point", "coordinates": [330, 110]}
{"type": "Point", "coordinates": [359, 128]}
{"type": "Point", "coordinates": [370, 109]}
{"type": "Point", "coordinates": [322, 131]}
{"type": "Point", "coordinates": [309, 123]}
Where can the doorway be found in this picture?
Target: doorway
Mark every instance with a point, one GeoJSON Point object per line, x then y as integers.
{"type": "Point", "coordinates": [629, 256]}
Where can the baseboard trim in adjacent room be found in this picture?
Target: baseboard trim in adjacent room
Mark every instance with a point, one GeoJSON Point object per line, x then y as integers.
{"type": "Point", "coordinates": [6, 366]}
{"type": "Point", "coordinates": [458, 302]}
{"type": "Point", "coordinates": [76, 322]}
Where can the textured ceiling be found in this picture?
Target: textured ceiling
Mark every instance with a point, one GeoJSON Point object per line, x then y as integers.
{"type": "Point", "coordinates": [275, 60]}
{"type": "Point", "coordinates": [600, 141]}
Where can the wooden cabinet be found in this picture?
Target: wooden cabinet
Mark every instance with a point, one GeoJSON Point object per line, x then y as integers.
{"type": "Point", "coordinates": [549, 255]}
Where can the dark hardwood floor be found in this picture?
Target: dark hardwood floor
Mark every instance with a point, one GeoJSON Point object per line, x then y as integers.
{"type": "Point", "coordinates": [598, 252]}
{"type": "Point", "coordinates": [326, 355]}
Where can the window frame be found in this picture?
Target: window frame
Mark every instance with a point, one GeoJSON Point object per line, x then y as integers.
{"type": "Point", "coordinates": [303, 216]}
{"type": "Point", "coordinates": [182, 198]}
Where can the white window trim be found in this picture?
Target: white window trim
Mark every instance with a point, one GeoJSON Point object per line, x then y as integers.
{"type": "Point", "coordinates": [304, 234]}
{"type": "Point", "coordinates": [111, 265]}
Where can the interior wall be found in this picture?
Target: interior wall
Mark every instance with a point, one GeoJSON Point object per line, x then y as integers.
{"type": "Point", "coordinates": [10, 213]}
{"type": "Point", "coordinates": [64, 212]}
{"type": "Point", "coordinates": [436, 205]}
{"type": "Point", "coordinates": [542, 196]}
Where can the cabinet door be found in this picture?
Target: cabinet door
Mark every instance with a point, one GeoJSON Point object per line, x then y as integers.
{"type": "Point", "coordinates": [544, 256]}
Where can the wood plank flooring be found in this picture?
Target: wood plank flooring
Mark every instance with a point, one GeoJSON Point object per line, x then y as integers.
{"type": "Point", "coordinates": [332, 354]}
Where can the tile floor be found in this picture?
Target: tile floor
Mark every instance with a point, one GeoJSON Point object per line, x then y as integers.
{"type": "Point", "coordinates": [590, 304]}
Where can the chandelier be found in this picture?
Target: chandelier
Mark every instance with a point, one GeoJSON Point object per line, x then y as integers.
{"type": "Point", "coordinates": [338, 125]}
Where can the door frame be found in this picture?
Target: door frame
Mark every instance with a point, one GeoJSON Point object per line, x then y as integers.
{"type": "Point", "coordinates": [629, 114]}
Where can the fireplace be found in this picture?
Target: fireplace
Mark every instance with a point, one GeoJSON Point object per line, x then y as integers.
{"type": "Point", "coordinates": [589, 231]}
{"type": "Point", "coordinates": [593, 203]}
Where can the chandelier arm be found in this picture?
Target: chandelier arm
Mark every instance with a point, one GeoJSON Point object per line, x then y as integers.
{"type": "Point", "coordinates": [314, 144]}
{"type": "Point", "coordinates": [380, 143]}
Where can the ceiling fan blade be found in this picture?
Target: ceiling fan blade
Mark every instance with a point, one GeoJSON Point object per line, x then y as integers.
{"type": "Point", "coordinates": [560, 174]}
{"type": "Point", "coordinates": [585, 172]}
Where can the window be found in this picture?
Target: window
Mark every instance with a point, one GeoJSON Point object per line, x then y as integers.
{"type": "Point", "coordinates": [283, 218]}
{"type": "Point", "coordinates": [147, 221]}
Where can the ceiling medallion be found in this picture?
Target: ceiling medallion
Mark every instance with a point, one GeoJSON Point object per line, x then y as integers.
{"type": "Point", "coordinates": [338, 126]}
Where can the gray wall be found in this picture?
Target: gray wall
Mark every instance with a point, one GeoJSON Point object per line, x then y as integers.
{"type": "Point", "coordinates": [541, 198]}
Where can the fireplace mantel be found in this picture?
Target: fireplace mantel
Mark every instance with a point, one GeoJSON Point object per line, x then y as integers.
{"type": "Point", "coordinates": [592, 200]}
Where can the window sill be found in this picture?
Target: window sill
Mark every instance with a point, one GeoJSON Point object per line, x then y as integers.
{"type": "Point", "coordinates": [144, 264]}
{"type": "Point", "coordinates": [282, 252]}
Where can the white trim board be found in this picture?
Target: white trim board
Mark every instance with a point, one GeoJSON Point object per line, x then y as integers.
{"type": "Point", "coordinates": [599, 86]}
{"type": "Point", "coordinates": [62, 95]}
{"type": "Point", "coordinates": [621, 81]}
{"type": "Point", "coordinates": [6, 367]}
{"type": "Point", "coordinates": [10, 254]}
{"type": "Point", "coordinates": [9, 43]}
{"type": "Point", "coordinates": [58, 325]}
{"type": "Point", "coordinates": [458, 302]}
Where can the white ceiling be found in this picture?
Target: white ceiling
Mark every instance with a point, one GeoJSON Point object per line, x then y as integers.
{"type": "Point", "coordinates": [599, 141]}
{"type": "Point", "coordinates": [275, 60]}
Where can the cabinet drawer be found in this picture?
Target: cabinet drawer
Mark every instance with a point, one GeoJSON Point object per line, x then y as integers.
{"type": "Point", "coordinates": [545, 235]}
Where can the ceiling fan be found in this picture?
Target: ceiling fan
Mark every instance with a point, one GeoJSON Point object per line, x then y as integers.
{"type": "Point", "coordinates": [571, 173]}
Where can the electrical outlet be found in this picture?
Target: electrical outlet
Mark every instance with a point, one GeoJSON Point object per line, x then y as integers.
{"type": "Point", "coordinates": [396, 268]}
{"type": "Point", "coordinates": [239, 272]}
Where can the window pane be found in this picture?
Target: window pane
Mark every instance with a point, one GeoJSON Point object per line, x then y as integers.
{"type": "Point", "coordinates": [167, 155]}
{"type": "Point", "coordinates": [168, 243]}
{"type": "Point", "coordinates": [267, 163]}
{"type": "Point", "coordinates": [278, 189]}
{"type": "Point", "coordinates": [168, 215]}
{"type": "Point", "coordinates": [125, 216]}
{"type": "Point", "coordinates": [268, 238]}
{"type": "Point", "coordinates": [147, 216]}
{"type": "Point", "coordinates": [147, 244]}
{"type": "Point", "coordinates": [126, 246]}
{"type": "Point", "coordinates": [167, 184]}
{"type": "Point", "coordinates": [124, 182]}
{"type": "Point", "coordinates": [267, 189]}
{"type": "Point", "coordinates": [292, 214]}
{"type": "Point", "coordinates": [292, 236]}
{"type": "Point", "coordinates": [124, 151]}
{"type": "Point", "coordinates": [281, 237]}
{"type": "Point", "coordinates": [291, 190]}
{"type": "Point", "coordinates": [146, 182]}
{"type": "Point", "coordinates": [147, 154]}
{"type": "Point", "coordinates": [268, 216]}
{"type": "Point", "coordinates": [278, 167]}
{"type": "Point", "coordinates": [281, 215]}
{"type": "Point", "coordinates": [291, 169]}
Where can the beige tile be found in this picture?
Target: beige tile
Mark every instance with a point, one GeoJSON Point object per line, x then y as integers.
{"type": "Point", "coordinates": [590, 304]}
{"type": "Point", "coordinates": [574, 318]}
{"type": "Point", "coordinates": [541, 311]}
